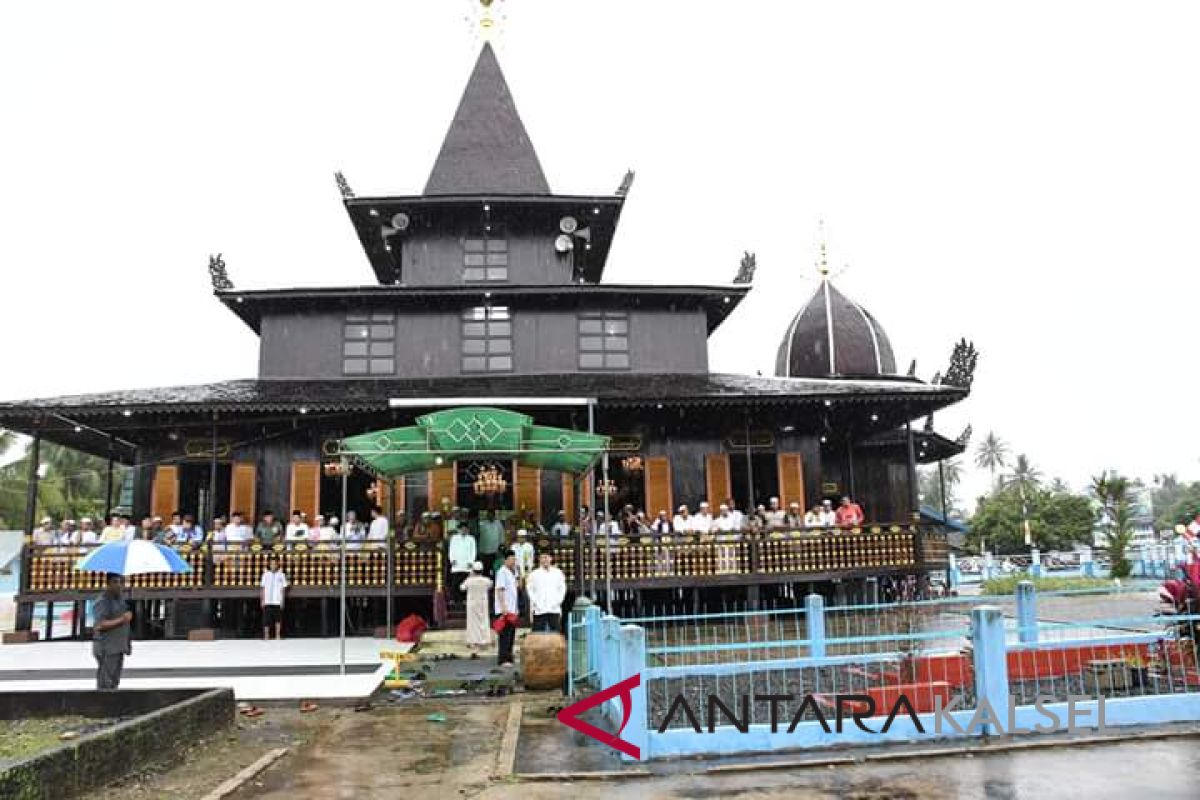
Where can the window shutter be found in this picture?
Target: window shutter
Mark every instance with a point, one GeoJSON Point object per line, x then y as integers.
{"type": "Point", "coordinates": [568, 498]}
{"type": "Point", "coordinates": [658, 485]}
{"type": "Point", "coordinates": [243, 489]}
{"type": "Point", "coordinates": [527, 494]}
{"type": "Point", "coordinates": [164, 492]}
{"type": "Point", "coordinates": [791, 480]}
{"type": "Point", "coordinates": [716, 473]}
{"type": "Point", "coordinates": [306, 488]}
{"type": "Point", "coordinates": [442, 486]}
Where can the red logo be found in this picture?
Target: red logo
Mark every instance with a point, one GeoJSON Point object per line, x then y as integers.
{"type": "Point", "coordinates": [569, 716]}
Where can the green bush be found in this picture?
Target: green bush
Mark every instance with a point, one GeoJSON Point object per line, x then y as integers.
{"type": "Point", "coordinates": [1008, 584]}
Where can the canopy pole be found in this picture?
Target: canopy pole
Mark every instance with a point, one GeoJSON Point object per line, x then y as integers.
{"type": "Point", "coordinates": [607, 539]}
{"type": "Point", "coordinates": [342, 577]}
{"type": "Point", "coordinates": [390, 543]}
{"type": "Point", "coordinates": [750, 506]}
{"type": "Point", "coordinates": [580, 541]}
{"type": "Point", "coordinates": [591, 481]}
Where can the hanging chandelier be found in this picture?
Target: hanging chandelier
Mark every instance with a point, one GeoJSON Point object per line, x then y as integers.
{"type": "Point", "coordinates": [606, 488]}
{"type": "Point", "coordinates": [490, 480]}
{"type": "Point", "coordinates": [632, 464]}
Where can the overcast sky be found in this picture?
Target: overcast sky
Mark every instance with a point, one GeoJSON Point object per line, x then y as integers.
{"type": "Point", "coordinates": [1025, 174]}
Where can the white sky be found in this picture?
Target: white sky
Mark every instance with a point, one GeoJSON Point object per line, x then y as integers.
{"type": "Point", "coordinates": [1025, 174]}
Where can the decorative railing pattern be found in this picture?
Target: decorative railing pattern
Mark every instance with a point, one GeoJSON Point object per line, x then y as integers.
{"type": "Point", "coordinates": [414, 565]}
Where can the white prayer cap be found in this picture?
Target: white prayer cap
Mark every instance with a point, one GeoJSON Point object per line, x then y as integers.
{"type": "Point", "coordinates": [477, 566]}
{"type": "Point", "coordinates": [704, 504]}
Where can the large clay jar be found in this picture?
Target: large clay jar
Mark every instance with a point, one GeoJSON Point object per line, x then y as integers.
{"type": "Point", "coordinates": [544, 660]}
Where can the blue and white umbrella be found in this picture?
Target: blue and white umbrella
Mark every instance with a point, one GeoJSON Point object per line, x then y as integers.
{"type": "Point", "coordinates": [135, 557]}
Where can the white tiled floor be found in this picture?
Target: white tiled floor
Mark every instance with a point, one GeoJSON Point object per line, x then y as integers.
{"type": "Point", "coordinates": [225, 653]}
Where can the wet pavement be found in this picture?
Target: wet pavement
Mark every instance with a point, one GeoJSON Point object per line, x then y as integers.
{"type": "Point", "coordinates": [397, 752]}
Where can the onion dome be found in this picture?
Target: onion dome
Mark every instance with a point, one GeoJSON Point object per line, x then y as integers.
{"type": "Point", "coordinates": [834, 336]}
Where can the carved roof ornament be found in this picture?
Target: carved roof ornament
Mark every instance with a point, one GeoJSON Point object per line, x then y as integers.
{"type": "Point", "coordinates": [912, 368]}
{"type": "Point", "coordinates": [964, 438]}
{"type": "Point", "coordinates": [343, 186]}
{"type": "Point", "coordinates": [218, 275]}
{"type": "Point", "coordinates": [937, 379]}
{"type": "Point", "coordinates": [962, 365]}
{"type": "Point", "coordinates": [929, 424]}
{"type": "Point", "coordinates": [626, 183]}
{"type": "Point", "coordinates": [746, 269]}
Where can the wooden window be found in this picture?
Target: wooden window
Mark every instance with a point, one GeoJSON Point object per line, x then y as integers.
{"type": "Point", "coordinates": [604, 340]}
{"type": "Point", "coordinates": [243, 490]}
{"type": "Point", "coordinates": [485, 258]}
{"type": "Point", "coordinates": [368, 344]}
{"type": "Point", "coordinates": [306, 488]}
{"type": "Point", "coordinates": [164, 492]}
{"type": "Point", "coordinates": [487, 339]}
{"type": "Point", "coordinates": [791, 480]}
{"type": "Point", "coordinates": [658, 486]}
{"type": "Point", "coordinates": [716, 475]}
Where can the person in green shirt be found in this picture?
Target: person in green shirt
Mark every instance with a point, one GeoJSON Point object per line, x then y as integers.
{"type": "Point", "coordinates": [268, 530]}
{"type": "Point", "coordinates": [491, 535]}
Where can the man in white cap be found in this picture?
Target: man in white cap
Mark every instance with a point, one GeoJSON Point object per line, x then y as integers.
{"type": "Point", "coordinates": [775, 514]}
{"type": "Point", "coordinates": [562, 528]}
{"type": "Point", "coordinates": [662, 525]}
{"type": "Point", "coordinates": [683, 520]}
{"type": "Point", "coordinates": [523, 550]}
{"type": "Point", "coordinates": [87, 532]}
{"type": "Point", "coordinates": [703, 521]}
{"type": "Point", "coordinates": [795, 517]}
{"type": "Point", "coordinates": [724, 522]}
{"type": "Point", "coordinates": [461, 552]}
{"type": "Point", "coordinates": [44, 535]}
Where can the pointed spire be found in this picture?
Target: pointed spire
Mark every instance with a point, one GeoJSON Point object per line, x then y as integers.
{"type": "Point", "coordinates": [487, 150]}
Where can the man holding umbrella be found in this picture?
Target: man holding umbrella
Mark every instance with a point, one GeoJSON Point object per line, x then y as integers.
{"type": "Point", "coordinates": [110, 628]}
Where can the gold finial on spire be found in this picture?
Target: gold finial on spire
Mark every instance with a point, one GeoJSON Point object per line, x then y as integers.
{"type": "Point", "coordinates": [485, 18]}
{"type": "Point", "coordinates": [822, 260]}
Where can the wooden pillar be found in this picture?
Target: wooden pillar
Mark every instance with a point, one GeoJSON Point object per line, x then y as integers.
{"type": "Point", "coordinates": [913, 498]}
{"type": "Point", "coordinates": [31, 485]}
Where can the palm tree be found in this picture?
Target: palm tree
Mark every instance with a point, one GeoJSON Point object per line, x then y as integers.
{"type": "Point", "coordinates": [1115, 514]}
{"type": "Point", "coordinates": [1024, 475]}
{"type": "Point", "coordinates": [991, 454]}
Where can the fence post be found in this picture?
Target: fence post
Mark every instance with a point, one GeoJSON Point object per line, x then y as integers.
{"type": "Point", "coordinates": [954, 575]}
{"type": "Point", "coordinates": [814, 622]}
{"type": "Point", "coordinates": [986, 570]}
{"type": "Point", "coordinates": [1035, 563]}
{"type": "Point", "coordinates": [1086, 565]}
{"type": "Point", "coordinates": [591, 622]}
{"type": "Point", "coordinates": [633, 662]}
{"type": "Point", "coordinates": [1027, 616]}
{"type": "Point", "coordinates": [610, 654]}
{"type": "Point", "coordinates": [990, 661]}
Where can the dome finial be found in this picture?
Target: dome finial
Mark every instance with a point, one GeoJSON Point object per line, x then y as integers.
{"type": "Point", "coordinates": [485, 18]}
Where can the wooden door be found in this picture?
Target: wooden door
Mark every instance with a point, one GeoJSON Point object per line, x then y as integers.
{"type": "Point", "coordinates": [306, 488]}
{"type": "Point", "coordinates": [716, 477]}
{"type": "Point", "coordinates": [164, 492]}
{"type": "Point", "coordinates": [527, 493]}
{"type": "Point", "coordinates": [443, 488]}
{"type": "Point", "coordinates": [658, 486]}
{"type": "Point", "coordinates": [791, 480]}
{"type": "Point", "coordinates": [243, 489]}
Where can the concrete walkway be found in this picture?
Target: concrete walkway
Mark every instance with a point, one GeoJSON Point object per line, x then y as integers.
{"type": "Point", "coordinates": [254, 669]}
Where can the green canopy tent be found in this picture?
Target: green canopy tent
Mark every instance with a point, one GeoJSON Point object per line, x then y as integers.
{"type": "Point", "coordinates": [473, 432]}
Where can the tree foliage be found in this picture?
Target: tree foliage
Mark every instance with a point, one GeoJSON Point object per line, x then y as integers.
{"type": "Point", "coordinates": [1057, 520]}
{"type": "Point", "coordinates": [1175, 503]}
{"type": "Point", "coordinates": [72, 486]}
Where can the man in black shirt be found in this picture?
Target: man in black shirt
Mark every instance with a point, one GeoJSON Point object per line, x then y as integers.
{"type": "Point", "coordinates": [111, 618]}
